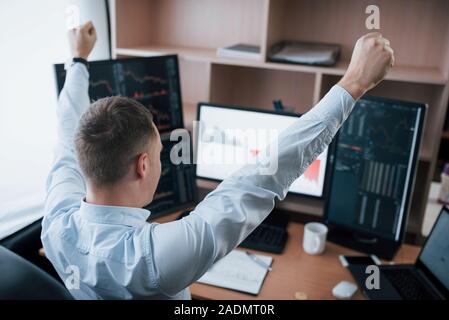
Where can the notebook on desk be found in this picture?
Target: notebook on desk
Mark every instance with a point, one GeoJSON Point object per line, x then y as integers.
{"type": "Point", "coordinates": [237, 271]}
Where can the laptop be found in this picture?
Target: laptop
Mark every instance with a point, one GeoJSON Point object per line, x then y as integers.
{"type": "Point", "coordinates": [427, 279]}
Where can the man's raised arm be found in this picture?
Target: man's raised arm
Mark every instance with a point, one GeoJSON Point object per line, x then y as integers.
{"type": "Point", "coordinates": [65, 183]}
{"type": "Point", "coordinates": [240, 203]}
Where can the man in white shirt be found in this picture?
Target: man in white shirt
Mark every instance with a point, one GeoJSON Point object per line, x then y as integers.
{"type": "Point", "coordinates": [107, 168]}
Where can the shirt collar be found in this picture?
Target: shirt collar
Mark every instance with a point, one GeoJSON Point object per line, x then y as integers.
{"type": "Point", "coordinates": [134, 217]}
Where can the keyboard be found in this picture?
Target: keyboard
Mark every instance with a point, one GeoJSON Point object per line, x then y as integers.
{"type": "Point", "coordinates": [266, 237]}
{"type": "Point", "coordinates": [270, 236]}
{"type": "Point", "coordinates": [407, 284]}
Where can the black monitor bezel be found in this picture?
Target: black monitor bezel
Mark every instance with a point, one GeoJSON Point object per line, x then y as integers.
{"type": "Point", "coordinates": [387, 246]}
{"type": "Point", "coordinates": [180, 206]}
{"type": "Point", "coordinates": [275, 112]}
{"type": "Point", "coordinates": [59, 86]}
{"type": "Point", "coordinates": [422, 267]}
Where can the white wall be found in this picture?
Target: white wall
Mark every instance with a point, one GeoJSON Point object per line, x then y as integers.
{"type": "Point", "coordinates": [32, 38]}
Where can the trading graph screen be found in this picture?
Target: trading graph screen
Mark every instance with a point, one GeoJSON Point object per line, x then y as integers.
{"type": "Point", "coordinates": [153, 81]}
{"type": "Point", "coordinates": [177, 185]}
{"type": "Point", "coordinates": [242, 134]}
{"type": "Point", "coordinates": [374, 166]}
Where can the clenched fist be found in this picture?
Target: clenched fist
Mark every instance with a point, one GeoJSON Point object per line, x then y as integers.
{"type": "Point", "coordinates": [82, 40]}
{"type": "Point", "coordinates": [371, 60]}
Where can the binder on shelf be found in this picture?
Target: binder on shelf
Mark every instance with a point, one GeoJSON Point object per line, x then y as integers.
{"type": "Point", "coordinates": [320, 54]}
{"type": "Point", "coordinates": [240, 50]}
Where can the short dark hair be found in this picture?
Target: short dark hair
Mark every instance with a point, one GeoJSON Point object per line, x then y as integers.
{"type": "Point", "coordinates": [111, 133]}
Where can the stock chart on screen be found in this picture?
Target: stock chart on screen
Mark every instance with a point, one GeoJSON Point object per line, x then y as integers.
{"type": "Point", "coordinates": [374, 166]}
{"type": "Point", "coordinates": [152, 81]}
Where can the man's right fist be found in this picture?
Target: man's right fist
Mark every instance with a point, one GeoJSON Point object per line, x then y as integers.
{"type": "Point", "coordinates": [371, 60]}
{"type": "Point", "coordinates": [82, 40]}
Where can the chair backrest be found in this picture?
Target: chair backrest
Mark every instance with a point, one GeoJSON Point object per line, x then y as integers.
{"type": "Point", "coordinates": [20, 279]}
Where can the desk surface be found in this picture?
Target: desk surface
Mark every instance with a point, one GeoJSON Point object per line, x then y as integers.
{"type": "Point", "coordinates": [295, 270]}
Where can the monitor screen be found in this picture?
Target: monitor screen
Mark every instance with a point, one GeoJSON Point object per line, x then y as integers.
{"type": "Point", "coordinates": [153, 81]}
{"type": "Point", "coordinates": [242, 134]}
{"type": "Point", "coordinates": [374, 167]}
{"type": "Point", "coordinates": [435, 253]}
{"type": "Point", "coordinates": [177, 186]}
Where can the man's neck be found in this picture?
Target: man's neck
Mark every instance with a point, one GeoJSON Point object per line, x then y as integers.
{"type": "Point", "coordinates": [112, 196]}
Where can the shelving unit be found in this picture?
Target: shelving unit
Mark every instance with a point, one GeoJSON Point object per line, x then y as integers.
{"type": "Point", "coordinates": [194, 29]}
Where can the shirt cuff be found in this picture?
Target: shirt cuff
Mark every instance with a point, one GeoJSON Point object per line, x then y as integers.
{"type": "Point", "coordinates": [78, 67]}
{"type": "Point", "coordinates": [78, 74]}
{"type": "Point", "coordinates": [336, 105]}
{"type": "Point", "coordinates": [345, 93]}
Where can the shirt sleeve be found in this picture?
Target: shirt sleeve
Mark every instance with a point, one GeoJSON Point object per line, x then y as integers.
{"type": "Point", "coordinates": [184, 250]}
{"type": "Point", "coordinates": [65, 184]}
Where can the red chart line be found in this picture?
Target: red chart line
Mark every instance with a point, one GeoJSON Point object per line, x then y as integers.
{"type": "Point", "coordinates": [313, 171]}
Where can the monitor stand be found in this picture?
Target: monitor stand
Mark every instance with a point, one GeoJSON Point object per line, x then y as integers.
{"type": "Point", "coordinates": [366, 243]}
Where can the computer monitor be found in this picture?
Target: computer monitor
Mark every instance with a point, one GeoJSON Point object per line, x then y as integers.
{"type": "Point", "coordinates": [177, 187]}
{"type": "Point", "coordinates": [153, 81]}
{"type": "Point", "coordinates": [373, 174]}
{"type": "Point", "coordinates": [433, 259]}
{"type": "Point", "coordinates": [229, 137]}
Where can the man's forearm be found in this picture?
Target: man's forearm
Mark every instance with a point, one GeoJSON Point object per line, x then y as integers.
{"type": "Point", "coordinates": [65, 184]}
{"type": "Point", "coordinates": [73, 102]}
{"type": "Point", "coordinates": [301, 143]}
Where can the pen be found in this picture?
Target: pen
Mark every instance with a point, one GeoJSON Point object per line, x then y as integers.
{"type": "Point", "coordinates": [258, 261]}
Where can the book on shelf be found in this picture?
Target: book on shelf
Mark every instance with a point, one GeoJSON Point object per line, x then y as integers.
{"type": "Point", "coordinates": [310, 53]}
{"type": "Point", "coordinates": [240, 51]}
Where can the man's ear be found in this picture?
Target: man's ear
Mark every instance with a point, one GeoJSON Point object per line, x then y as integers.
{"type": "Point", "coordinates": [142, 167]}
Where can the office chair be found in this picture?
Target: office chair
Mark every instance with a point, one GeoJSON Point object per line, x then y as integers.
{"type": "Point", "coordinates": [21, 280]}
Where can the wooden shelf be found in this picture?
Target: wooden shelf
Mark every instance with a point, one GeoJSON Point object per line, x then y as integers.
{"type": "Point", "coordinates": [425, 75]}
{"type": "Point", "coordinates": [189, 114]}
{"type": "Point", "coordinates": [194, 29]}
{"type": "Point", "coordinates": [422, 75]}
{"type": "Point", "coordinates": [188, 53]}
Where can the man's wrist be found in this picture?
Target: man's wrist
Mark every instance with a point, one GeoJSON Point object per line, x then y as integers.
{"type": "Point", "coordinates": [81, 60]}
{"type": "Point", "coordinates": [353, 87]}
{"type": "Point", "coordinates": [81, 55]}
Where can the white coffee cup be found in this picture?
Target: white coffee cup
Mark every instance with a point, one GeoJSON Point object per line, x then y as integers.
{"type": "Point", "coordinates": [314, 240]}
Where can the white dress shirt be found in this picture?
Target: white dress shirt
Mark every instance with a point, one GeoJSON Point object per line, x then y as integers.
{"type": "Point", "coordinates": [116, 254]}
